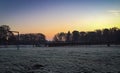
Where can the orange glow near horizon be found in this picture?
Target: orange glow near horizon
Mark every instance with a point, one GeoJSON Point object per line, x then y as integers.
{"type": "Point", "coordinates": [50, 32]}
{"type": "Point", "coordinates": [51, 27]}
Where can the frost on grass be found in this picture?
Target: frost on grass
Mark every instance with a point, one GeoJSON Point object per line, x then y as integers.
{"type": "Point", "coordinates": [69, 59]}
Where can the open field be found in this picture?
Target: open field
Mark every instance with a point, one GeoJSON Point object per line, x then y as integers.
{"type": "Point", "coordinates": [68, 59]}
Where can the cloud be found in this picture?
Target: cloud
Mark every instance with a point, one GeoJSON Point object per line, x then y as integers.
{"type": "Point", "coordinates": [115, 12]}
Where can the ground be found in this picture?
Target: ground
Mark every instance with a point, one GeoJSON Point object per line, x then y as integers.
{"type": "Point", "coordinates": [68, 59]}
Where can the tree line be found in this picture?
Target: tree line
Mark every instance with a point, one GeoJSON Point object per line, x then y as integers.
{"type": "Point", "coordinates": [8, 37]}
{"type": "Point", "coordinates": [104, 36]}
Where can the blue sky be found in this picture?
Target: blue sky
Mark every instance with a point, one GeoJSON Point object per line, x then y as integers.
{"type": "Point", "coordinates": [52, 16]}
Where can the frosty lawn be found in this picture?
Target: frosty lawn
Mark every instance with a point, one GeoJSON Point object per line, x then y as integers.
{"type": "Point", "coordinates": [69, 59]}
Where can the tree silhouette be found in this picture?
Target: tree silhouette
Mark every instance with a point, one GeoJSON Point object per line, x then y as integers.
{"type": "Point", "coordinates": [75, 36]}
{"type": "Point", "coordinates": [98, 36]}
{"type": "Point", "coordinates": [104, 36]}
{"type": "Point", "coordinates": [82, 36]}
{"type": "Point", "coordinates": [60, 37]}
{"type": "Point", "coordinates": [5, 34]}
{"type": "Point", "coordinates": [32, 39]}
{"type": "Point", "coordinates": [68, 37]}
{"type": "Point", "coordinates": [7, 37]}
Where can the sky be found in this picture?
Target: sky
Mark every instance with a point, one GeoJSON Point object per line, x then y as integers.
{"type": "Point", "coordinates": [52, 16]}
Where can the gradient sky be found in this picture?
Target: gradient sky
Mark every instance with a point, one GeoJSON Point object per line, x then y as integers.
{"type": "Point", "coordinates": [52, 16]}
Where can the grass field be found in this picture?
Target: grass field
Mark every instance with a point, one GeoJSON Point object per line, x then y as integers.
{"type": "Point", "coordinates": [68, 59]}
